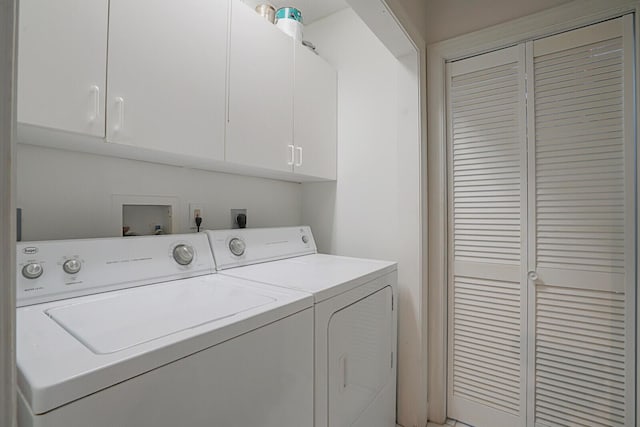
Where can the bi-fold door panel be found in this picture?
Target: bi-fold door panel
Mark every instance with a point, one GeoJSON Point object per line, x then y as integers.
{"type": "Point", "coordinates": [581, 228]}
{"type": "Point", "coordinates": [486, 308]}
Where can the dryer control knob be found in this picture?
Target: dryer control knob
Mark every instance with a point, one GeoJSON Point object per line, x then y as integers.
{"type": "Point", "coordinates": [72, 266]}
{"type": "Point", "coordinates": [32, 270]}
{"type": "Point", "coordinates": [237, 246]}
{"type": "Point", "coordinates": [305, 239]}
{"type": "Point", "coordinates": [183, 254]}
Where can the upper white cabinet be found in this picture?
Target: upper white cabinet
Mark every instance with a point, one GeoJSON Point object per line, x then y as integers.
{"type": "Point", "coordinates": [167, 75]}
{"type": "Point", "coordinates": [260, 122]}
{"type": "Point", "coordinates": [208, 84]}
{"type": "Point", "coordinates": [282, 100]}
{"type": "Point", "coordinates": [314, 116]}
{"type": "Point", "coordinates": [62, 64]}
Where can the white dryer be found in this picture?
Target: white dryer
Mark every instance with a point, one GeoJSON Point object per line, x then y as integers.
{"type": "Point", "coordinates": [140, 332]}
{"type": "Point", "coordinates": [355, 317]}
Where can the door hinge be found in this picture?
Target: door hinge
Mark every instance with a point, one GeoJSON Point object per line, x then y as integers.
{"type": "Point", "coordinates": [392, 360]}
{"type": "Point", "coordinates": [392, 302]}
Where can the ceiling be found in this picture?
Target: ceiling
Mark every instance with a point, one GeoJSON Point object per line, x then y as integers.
{"type": "Point", "coordinates": [450, 18]}
{"type": "Point", "coordinates": [312, 10]}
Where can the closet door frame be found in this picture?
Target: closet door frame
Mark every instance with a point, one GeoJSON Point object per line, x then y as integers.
{"type": "Point", "coordinates": [552, 21]}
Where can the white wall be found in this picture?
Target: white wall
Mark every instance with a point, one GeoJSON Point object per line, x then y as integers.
{"type": "Point", "coordinates": [373, 210]}
{"type": "Point", "coordinates": [67, 194]}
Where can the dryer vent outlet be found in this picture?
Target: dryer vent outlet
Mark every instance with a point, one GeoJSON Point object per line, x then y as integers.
{"type": "Point", "coordinates": [234, 218]}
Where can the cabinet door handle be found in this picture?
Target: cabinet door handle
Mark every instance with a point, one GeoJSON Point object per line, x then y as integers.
{"type": "Point", "coordinates": [120, 114]}
{"type": "Point", "coordinates": [291, 155]}
{"type": "Point", "coordinates": [299, 149]}
{"type": "Point", "coordinates": [95, 113]}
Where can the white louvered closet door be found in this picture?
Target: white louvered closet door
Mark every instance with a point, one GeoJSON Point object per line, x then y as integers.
{"type": "Point", "coordinates": [487, 205]}
{"type": "Point", "coordinates": [582, 227]}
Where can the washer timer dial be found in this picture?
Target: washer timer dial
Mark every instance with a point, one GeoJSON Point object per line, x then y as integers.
{"type": "Point", "coordinates": [32, 270]}
{"type": "Point", "coordinates": [183, 254]}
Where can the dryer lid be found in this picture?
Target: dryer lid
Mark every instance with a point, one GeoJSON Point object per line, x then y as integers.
{"type": "Point", "coordinates": [325, 276]}
{"type": "Point", "coordinates": [123, 320]}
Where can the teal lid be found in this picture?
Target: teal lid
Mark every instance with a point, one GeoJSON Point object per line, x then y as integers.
{"type": "Point", "coordinates": [289, 13]}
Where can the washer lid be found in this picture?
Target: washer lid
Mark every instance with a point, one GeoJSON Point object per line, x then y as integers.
{"type": "Point", "coordinates": [116, 322]}
{"type": "Point", "coordinates": [57, 342]}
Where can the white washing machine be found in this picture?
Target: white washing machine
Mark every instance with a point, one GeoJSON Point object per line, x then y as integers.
{"type": "Point", "coordinates": [140, 332]}
{"type": "Point", "coordinates": [355, 317]}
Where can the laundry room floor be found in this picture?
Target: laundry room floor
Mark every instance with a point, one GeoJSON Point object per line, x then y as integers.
{"type": "Point", "coordinates": [449, 423]}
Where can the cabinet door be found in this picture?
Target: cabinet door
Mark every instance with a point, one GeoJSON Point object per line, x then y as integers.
{"type": "Point", "coordinates": [167, 72]}
{"type": "Point", "coordinates": [360, 356]}
{"type": "Point", "coordinates": [314, 116]}
{"type": "Point", "coordinates": [260, 126]}
{"type": "Point", "coordinates": [62, 64]}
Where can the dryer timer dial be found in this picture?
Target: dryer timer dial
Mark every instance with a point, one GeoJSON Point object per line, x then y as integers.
{"type": "Point", "coordinates": [237, 246]}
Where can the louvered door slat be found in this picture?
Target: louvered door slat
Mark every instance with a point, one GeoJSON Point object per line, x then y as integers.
{"type": "Point", "coordinates": [591, 113]}
{"type": "Point", "coordinates": [597, 71]}
{"type": "Point", "coordinates": [559, 57]}
{"type": "Point", "coordinates": [482, 152]}
{"type": "Point", "coordinates": [579, 198]}
{"type": "Point", "coordinates": [551, 110]}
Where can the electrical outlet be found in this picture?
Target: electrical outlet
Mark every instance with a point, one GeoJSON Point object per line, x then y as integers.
{"type": "Point", "coordinates": [19, 224]}
{"type": "Point", "coordinates": [234, 215]}
{"type": "Point", "coordinates": [195, 210]}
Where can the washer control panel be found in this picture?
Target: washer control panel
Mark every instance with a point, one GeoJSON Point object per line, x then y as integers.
{"type": "Point", "coordinates": [57, 269]}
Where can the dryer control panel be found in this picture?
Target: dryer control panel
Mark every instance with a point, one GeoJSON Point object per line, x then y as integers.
{"type": "Point", "coordinates": [246, 246]}
{"type": "Point", "coordinates": [57, 269]}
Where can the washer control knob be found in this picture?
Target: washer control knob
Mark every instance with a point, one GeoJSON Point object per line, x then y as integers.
{"type": "Point", "coordinates": [32, 270]}
{"type": "Point", "coordinates": [305, 239]}
{"type": "Point", "coordinates": [72, 266]}
{"type": "Point", "coordinates": [237, 246]}
{"type": "Point", "coordinates": [183, 254]}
